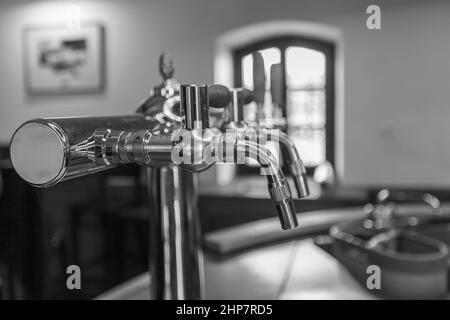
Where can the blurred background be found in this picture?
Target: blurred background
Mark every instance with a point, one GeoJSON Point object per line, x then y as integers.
{"type": "Point", "coordinates": [366, 108]}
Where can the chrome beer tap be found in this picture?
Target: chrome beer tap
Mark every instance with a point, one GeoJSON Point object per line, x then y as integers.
{"type": "Point", "coordinates": [195, 147]}
{"type": "Point", "coordinates": [170, 135]}
{"type": "Point", "coordinates": [235, 121]}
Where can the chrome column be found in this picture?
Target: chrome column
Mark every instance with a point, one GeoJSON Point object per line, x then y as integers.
{"type": "Point", "coordinates": [176, 261]}
{"type": "Point", "coordinates": [176, 258]}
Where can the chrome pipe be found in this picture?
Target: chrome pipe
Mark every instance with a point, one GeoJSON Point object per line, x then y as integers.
{"type": "Point", "coordinates": [194, 106]}
{"type": "Point", "coordinates": [291, 155]}
{"type": "Point", "coordinates": [45, 152]}
{"type": "Point", "coordinates": [176, 259]}
{"type": "Point", "coordinates": [206, 149]}
{"type": "Point", "coordinates": [279, 189]}
{"type": "Point", "coordinates": [296, 166]}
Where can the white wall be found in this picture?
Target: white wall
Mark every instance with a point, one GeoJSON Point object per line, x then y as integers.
{"type": "Point", "coordinates": [396, 79]}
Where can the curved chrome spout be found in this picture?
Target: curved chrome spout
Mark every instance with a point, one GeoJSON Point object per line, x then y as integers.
{"type": "Point", "coordinates": [296, 166]}
{"type": "Point", "coordinates": [239, 97]}
{"type": "Point", "coordinates": [153, 148]}
{"type": "Point", "coordinates": [279, 189]}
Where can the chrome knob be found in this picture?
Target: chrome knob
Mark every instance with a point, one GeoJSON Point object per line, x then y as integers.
{"type": "Point", "coordinates": [194, 106]}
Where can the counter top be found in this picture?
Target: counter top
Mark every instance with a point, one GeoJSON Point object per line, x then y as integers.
{"type": "Point", "coordinates": [258, 275]}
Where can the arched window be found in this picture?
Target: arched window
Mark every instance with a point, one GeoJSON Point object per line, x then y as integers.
{"type": "Point", "coordinates": [307, 102]}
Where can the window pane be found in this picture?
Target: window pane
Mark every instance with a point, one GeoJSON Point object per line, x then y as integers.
{"type": "Point", "coordinates": [306, 108]}
{"type": "Point", "coordinates": [310, 144]}
{"type": "Point", "coordinates": [306, 101]}
{"type": "Point", "coordinates": [305, 79]}
{"type": "Point", "coordinates": [305, 68]}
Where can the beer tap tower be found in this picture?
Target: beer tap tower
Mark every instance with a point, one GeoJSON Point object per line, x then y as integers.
{"type": "Point", "coordinates": [172, 124]}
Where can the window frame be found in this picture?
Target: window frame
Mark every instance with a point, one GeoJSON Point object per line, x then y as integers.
{"type": "Point", "coordinates": [283, 43]}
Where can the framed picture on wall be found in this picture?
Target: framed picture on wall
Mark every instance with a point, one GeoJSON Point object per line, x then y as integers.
{"type": "Point", "coordinates": [59, 60]}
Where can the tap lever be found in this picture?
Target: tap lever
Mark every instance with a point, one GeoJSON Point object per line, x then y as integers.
{"type": "Point", "coordinates": [248, 96]}
{"type": "Point", "coordinates": [259, 78]}
{"type": "Point", "coordinates": [277, 85]}
{"type": "Point", "coordinates": [166, 66]}
{"type": "Point", "coordinates": [219, 96]}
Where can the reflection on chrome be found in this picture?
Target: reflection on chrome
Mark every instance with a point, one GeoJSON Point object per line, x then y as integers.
{"type": "Point", "coordinates": [47, 151]}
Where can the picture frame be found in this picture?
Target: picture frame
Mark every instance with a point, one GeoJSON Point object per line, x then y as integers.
{"type": "Point", "coordinates": [59, 60]}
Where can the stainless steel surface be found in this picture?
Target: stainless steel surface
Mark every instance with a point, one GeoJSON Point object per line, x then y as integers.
{"type": "Point", "coordinates": [236, 123]}
{"type": "Point", "coordinates": [176, 260]}
{"type": "Point", "coordinates": [142, 151]}
{"type": "Point", "coordinates": [172, 136]}
{"type": "Point", "coordinates": [279, 190]}
{"type": "Point", "coordinates": [145, 147]}
{"type": "Point", "coordinates": [278, 187]}
{"type": "Point", "coordinates": [296, 165]}
{"type": "Point", "coordinates": [46, 151]}
{"type": "Point", "coordinates": [194, 106]}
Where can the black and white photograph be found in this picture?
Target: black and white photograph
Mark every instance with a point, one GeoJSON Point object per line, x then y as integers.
{"type": "Point", "coordinates": [63, 60]}
{"type": "Point", "coordinates": [237, 153]}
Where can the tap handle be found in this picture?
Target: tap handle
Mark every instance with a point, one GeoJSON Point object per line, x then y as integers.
{"type": "Point", "coordinates": [219, 96]}
{"type": "Point", "coordinates": [259, 78]}
{"type": "Point", "coordinates": [196, 99]}
{"type": "Point", "coordinates": [166, 68]}
{"type": "Point", "coordinates": [248, 96]}
{"type": "Point", "coordinates": [194, 106]}
{"type": "Point", "coordinates": [276, 84]}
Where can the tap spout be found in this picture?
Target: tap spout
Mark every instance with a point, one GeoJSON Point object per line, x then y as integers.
{"type": "Point", "coordinates": [279, 189]}
{"type": "Point", "coordinates": [145, 147]}
{"type": "Point", "coordinates": [239, 97]}
{"type": "Point", "coordinates": [296, 166]}
{"type": "Point", "coordinates": [295, 163]}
